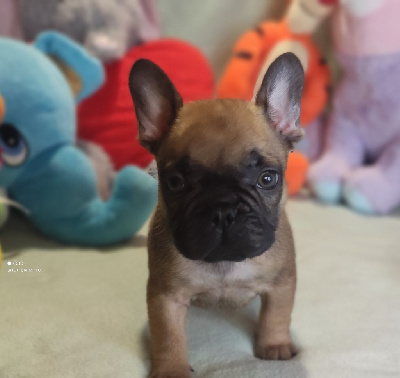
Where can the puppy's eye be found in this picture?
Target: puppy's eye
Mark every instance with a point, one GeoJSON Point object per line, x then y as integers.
{"type": "Point", "coordinates": [268, 180]}
{"type": "Point", "coordinates": [13, 148]}
{"type": "Point", "coordinates": [175, 182]}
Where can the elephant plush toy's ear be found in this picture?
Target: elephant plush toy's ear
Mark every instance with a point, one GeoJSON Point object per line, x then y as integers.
{"type": "Point", "coordinates": [2, 108]}
{"type": "Point", "coordinates": [84, 73]}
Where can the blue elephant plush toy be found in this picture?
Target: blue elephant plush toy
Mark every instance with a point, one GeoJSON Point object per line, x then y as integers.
{"type": "Point", "coordinates": [40, 166]}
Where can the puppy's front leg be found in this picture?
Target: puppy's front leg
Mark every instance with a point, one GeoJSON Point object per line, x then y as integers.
{"type": "Point", "coordinates": [167, 333]}
{"type": "Point", "coordinates": [274, 341]}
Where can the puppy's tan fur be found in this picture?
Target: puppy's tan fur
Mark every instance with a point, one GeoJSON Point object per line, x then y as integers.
{"type": "Point", "coordinates": [176, 282]}
{"type": "Point", "coordinates": [220, 133]}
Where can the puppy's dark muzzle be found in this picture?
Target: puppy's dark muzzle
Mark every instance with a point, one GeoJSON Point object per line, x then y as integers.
{"type": "Point", "coordinates": [224, 232]}
{"type": "Point", "coordinates": [225, 215]}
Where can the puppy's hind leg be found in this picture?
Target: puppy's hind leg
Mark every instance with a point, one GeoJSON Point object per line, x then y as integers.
{"type": "Point", "coordinates": [274, 341]}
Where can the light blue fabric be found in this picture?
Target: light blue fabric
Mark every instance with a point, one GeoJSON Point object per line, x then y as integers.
{"type": "Point", "coordinates": [357, 201]}
{"type": "Point", "coordinates": [43, 170]}
{"type": "Point", "coordinates": [328, 192]}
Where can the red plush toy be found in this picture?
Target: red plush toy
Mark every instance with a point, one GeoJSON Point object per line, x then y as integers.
{"type": "Point", "coordinates": [108, 119]}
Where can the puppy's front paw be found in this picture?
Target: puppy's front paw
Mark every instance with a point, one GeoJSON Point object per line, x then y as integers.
{"type": "Point", "coordinates": [181, 372]}
{"type": "Point", "coordinates": [276, 352]}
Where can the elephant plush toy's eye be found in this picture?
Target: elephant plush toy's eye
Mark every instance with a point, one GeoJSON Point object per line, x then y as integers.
{"type": "Point", "coordinates": [13, 148]}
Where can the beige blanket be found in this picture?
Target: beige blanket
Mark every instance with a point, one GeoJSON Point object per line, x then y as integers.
{"type": "Point", "coordinates": [83, 313]}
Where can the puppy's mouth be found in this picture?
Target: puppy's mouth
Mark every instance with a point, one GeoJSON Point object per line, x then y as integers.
{"type": "Point", "coordinates": [224, 238]}
{"type": "Point", "coordinates": [231, 251]}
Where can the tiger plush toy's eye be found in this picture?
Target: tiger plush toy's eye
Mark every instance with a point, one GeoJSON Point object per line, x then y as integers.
{"type": "Point", "coordinates": [13, 148]}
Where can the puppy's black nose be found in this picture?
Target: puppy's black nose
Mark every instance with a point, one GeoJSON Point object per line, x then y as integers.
{"type": "Point", "coordinates": [223, 217]}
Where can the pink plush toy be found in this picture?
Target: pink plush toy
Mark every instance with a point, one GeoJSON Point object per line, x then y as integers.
{"type": "Point", "coordinates": [361, 160]}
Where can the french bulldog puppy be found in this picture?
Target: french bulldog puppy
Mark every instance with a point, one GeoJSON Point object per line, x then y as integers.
{"type": "Point", "coordinates": [220, 234]}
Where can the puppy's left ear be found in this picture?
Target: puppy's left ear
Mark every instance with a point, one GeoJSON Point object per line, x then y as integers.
{"type": "Point", "coordinates": [156, 101]}
{"type": "Point", "coordinates": [280, 96]}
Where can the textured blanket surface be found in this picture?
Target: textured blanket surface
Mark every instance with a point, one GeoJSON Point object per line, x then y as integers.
{"type": "Point", "coordinates": [82, 313]}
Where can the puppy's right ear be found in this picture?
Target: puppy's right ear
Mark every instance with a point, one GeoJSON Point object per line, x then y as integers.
{"type": "Point", "coordinates": [156, 101]}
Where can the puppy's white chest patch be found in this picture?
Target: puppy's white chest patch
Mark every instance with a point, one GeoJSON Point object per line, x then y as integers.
{"type": "Point", "coordinates": [234, 287]}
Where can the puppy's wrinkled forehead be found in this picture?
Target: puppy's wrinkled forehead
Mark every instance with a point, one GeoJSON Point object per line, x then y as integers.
{"type": "Point", "coordinates": [221, 133]}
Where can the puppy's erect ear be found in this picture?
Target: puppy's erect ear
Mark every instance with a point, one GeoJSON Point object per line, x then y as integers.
{"type": "Point", "coordinates": [156, 101]}
{"type": "Point", "coordinates": [280, 96]}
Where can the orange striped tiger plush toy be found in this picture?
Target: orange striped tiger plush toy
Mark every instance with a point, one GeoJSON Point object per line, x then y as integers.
{"type": "Point", "coordinates": [258, 48]}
